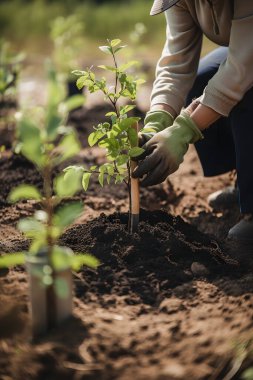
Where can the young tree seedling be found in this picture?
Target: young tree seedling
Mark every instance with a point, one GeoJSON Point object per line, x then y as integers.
{"type": "Point", "coordinates": [119, 135]}
{"type": "Point", "coordinates": [10, 65]}
{"type": "Point", "coordinates": [46, 141]}
{"type": "Point", "coordinates": [67, 36]}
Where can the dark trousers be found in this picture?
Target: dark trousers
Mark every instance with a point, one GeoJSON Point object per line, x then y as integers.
{"type": "Point", "coordinates": [228, 143]}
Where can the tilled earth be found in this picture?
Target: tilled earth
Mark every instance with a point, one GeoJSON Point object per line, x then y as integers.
{"type": "Point", "coordinates": [169, 302]}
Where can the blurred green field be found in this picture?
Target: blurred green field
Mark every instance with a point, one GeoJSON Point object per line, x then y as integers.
{"type": "Point", "coordinates": [26, 23]}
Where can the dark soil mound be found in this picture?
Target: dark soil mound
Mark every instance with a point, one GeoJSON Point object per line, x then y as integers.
{"type": "Point", "coordinates": [15, 170]}
{"type": "Point", "coordinates": [144, 266]}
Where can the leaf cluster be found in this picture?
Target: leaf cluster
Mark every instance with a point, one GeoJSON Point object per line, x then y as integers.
{"type": "Point", "coordinates": [67, 36]}
{"type": "Point", "coordinates": [10, 64]}
{"type": "Point", "coordinates": [117, 135]}
{"type": "Point", "coordinates": [46, 141]}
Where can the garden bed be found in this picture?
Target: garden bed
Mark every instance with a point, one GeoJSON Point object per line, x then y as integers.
{"type": "Point", "coordinates": [166, 303]}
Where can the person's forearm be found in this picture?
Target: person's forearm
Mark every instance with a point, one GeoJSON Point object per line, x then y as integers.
{"type": "Point", "coordinates": [202, 115]}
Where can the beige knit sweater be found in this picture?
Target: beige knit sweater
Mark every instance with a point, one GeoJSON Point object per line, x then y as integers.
{"type": "Point", "coordinates": [223, 24]}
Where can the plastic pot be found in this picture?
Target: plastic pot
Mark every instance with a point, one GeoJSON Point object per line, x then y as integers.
{"type": "Point", "coordinates": [50, 294]}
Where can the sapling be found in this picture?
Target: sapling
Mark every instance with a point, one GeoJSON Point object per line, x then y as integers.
{"type": "Point", "coordinates": [118, 135]}
{"type": "Point", "coordinates": [67, 36]}
{"type": "Point", "coordinates": [10, 64]}
{"type": "Point", "coordinates": [46, 141]}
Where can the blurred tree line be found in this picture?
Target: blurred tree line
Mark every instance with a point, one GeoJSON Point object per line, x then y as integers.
{"type": "Point", "coordinates": [27, 22]}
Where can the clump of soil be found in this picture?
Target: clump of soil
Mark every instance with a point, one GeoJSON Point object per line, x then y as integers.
{"type": "Point", "coordinates": [166, 303]}
{"type": "Point", "coordinates": [15, 170]}
{"type": "Point", "coordinates": [146, 265]}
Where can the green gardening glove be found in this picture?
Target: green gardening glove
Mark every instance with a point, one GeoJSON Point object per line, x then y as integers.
{"type": "Point", "coordinates": [156, 121]}
{"type": "Point", "coordinates": [165, 151]}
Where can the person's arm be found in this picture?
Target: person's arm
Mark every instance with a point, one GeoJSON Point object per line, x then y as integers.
{"type": "Point", "coordinates": [202, 115]}
{"type": "Point", "coordinates": [177, 67]}
{"type": "Point", "coordinates": [234, 76]}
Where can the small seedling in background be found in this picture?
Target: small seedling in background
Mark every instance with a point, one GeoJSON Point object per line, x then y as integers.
{"type": "Point", "coordinates": [117, 136]}
{"type": "Point", "coordinates": [46, 141]}
{"type": "Point", "coordinates": [67, 36]}
{"type": "Point", "coordinates": [136, 36]}
{"type": "Point", "coordinates": [10, 65]}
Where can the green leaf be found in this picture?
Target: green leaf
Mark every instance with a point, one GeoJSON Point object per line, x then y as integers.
{"type": "Point", "coordinates": [108, 179]}
{"type": "Point", "coordinates": [106, 49]}
{"type": "Point", "coordinates": [67, 214]}
{"type": "Point", "coordinates": [109, 168]}
{"type": "Point", "coordinates": [11, 260]}
{"type": "Point", "coordinates": [136, 151]}
{"type": "Point", "coordinates": [127, 65]}
{"type": "Point", "coordinates": [66, 185]}
{"type": "Point", "coordinates": [61, 257]}
{"type": "Point", "coordinates": [125, 109]}
{"type": "Point", "coordinates": [132, 137]}
{"type": "Point", "coordinates": [119, 48]}
{"type": "Point", "coordinates": [30, 224]}
{"type": "Point", "coordinates": [119, 178]}
{"type": "Point", "coordinates": [80, 83]}
{"type": "Point", "coordinates": [24, 192]}
{"type": "Point", "coordinates": [122, 159]}
{"type": "Point", "coordinates": [111, 114]}
{"type": "Point", "coordinates": [101, 179]}
{"type": "Point", "coordinates": [76, 168]}
{"type": "Point", "coordinates": [108, 68]}
{"type": "Point", "coordinates": [115, 42]}
{"type": "Point", "coordinates": [140, 81]}
{"type": "Point", "coordinates": [68, 147]}
{"type": "Point", "coordinates": [94, 137]}
{"type": "Point", "coordinates": [129, 122]}
{"type": "Point", "coordinates": [32, 228]}
{"type": "Point", "coordinates": [31, 142]}
{"type": "Point", "coordinates": [79, 72]}
{"type": "Point", "coordinates": [74, 102]}
{"type": "Point", "coordinates": [86, 180]}
{"type": "Point", "coordinates": [55, 90]}
{"type": "Point", "coordinates": [53, 123]}
{"type": "Point", "coordinates": [80, 259]}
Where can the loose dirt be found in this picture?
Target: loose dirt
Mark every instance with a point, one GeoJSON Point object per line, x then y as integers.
{"type": "Point", "coordinates": [166, 303]}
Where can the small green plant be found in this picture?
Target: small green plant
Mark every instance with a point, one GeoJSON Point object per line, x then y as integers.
{"type": "Point", "coordinates": [10, 65]}
{"type": "Point", "coordinates": [46, 141]}
{"type": "Point", "coordinates": [117, 135]}
{"type": "Point", "coordinates": [67, 36]}
{"type": "Point", "coordinates": [136, 35]}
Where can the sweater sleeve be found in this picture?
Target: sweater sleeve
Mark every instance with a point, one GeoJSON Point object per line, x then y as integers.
{"type": "Point", "coordinates": [235, 76]}
{"type": "Point", "coordinates": [177, 67]}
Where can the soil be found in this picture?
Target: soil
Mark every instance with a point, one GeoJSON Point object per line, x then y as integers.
{"type": "Point", "coordinates": [171, 301]}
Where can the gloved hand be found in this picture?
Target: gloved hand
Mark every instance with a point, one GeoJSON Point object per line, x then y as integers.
{"type": "Point", "coordinates": [158, 121]}
{"type": "Point", "coordinates": [165, 151]}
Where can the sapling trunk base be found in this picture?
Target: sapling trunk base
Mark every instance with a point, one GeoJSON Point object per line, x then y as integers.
{"type": "Point", "coordinates": [134, 200]}
{"type": "Point", "coordinates": [47, 308]}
